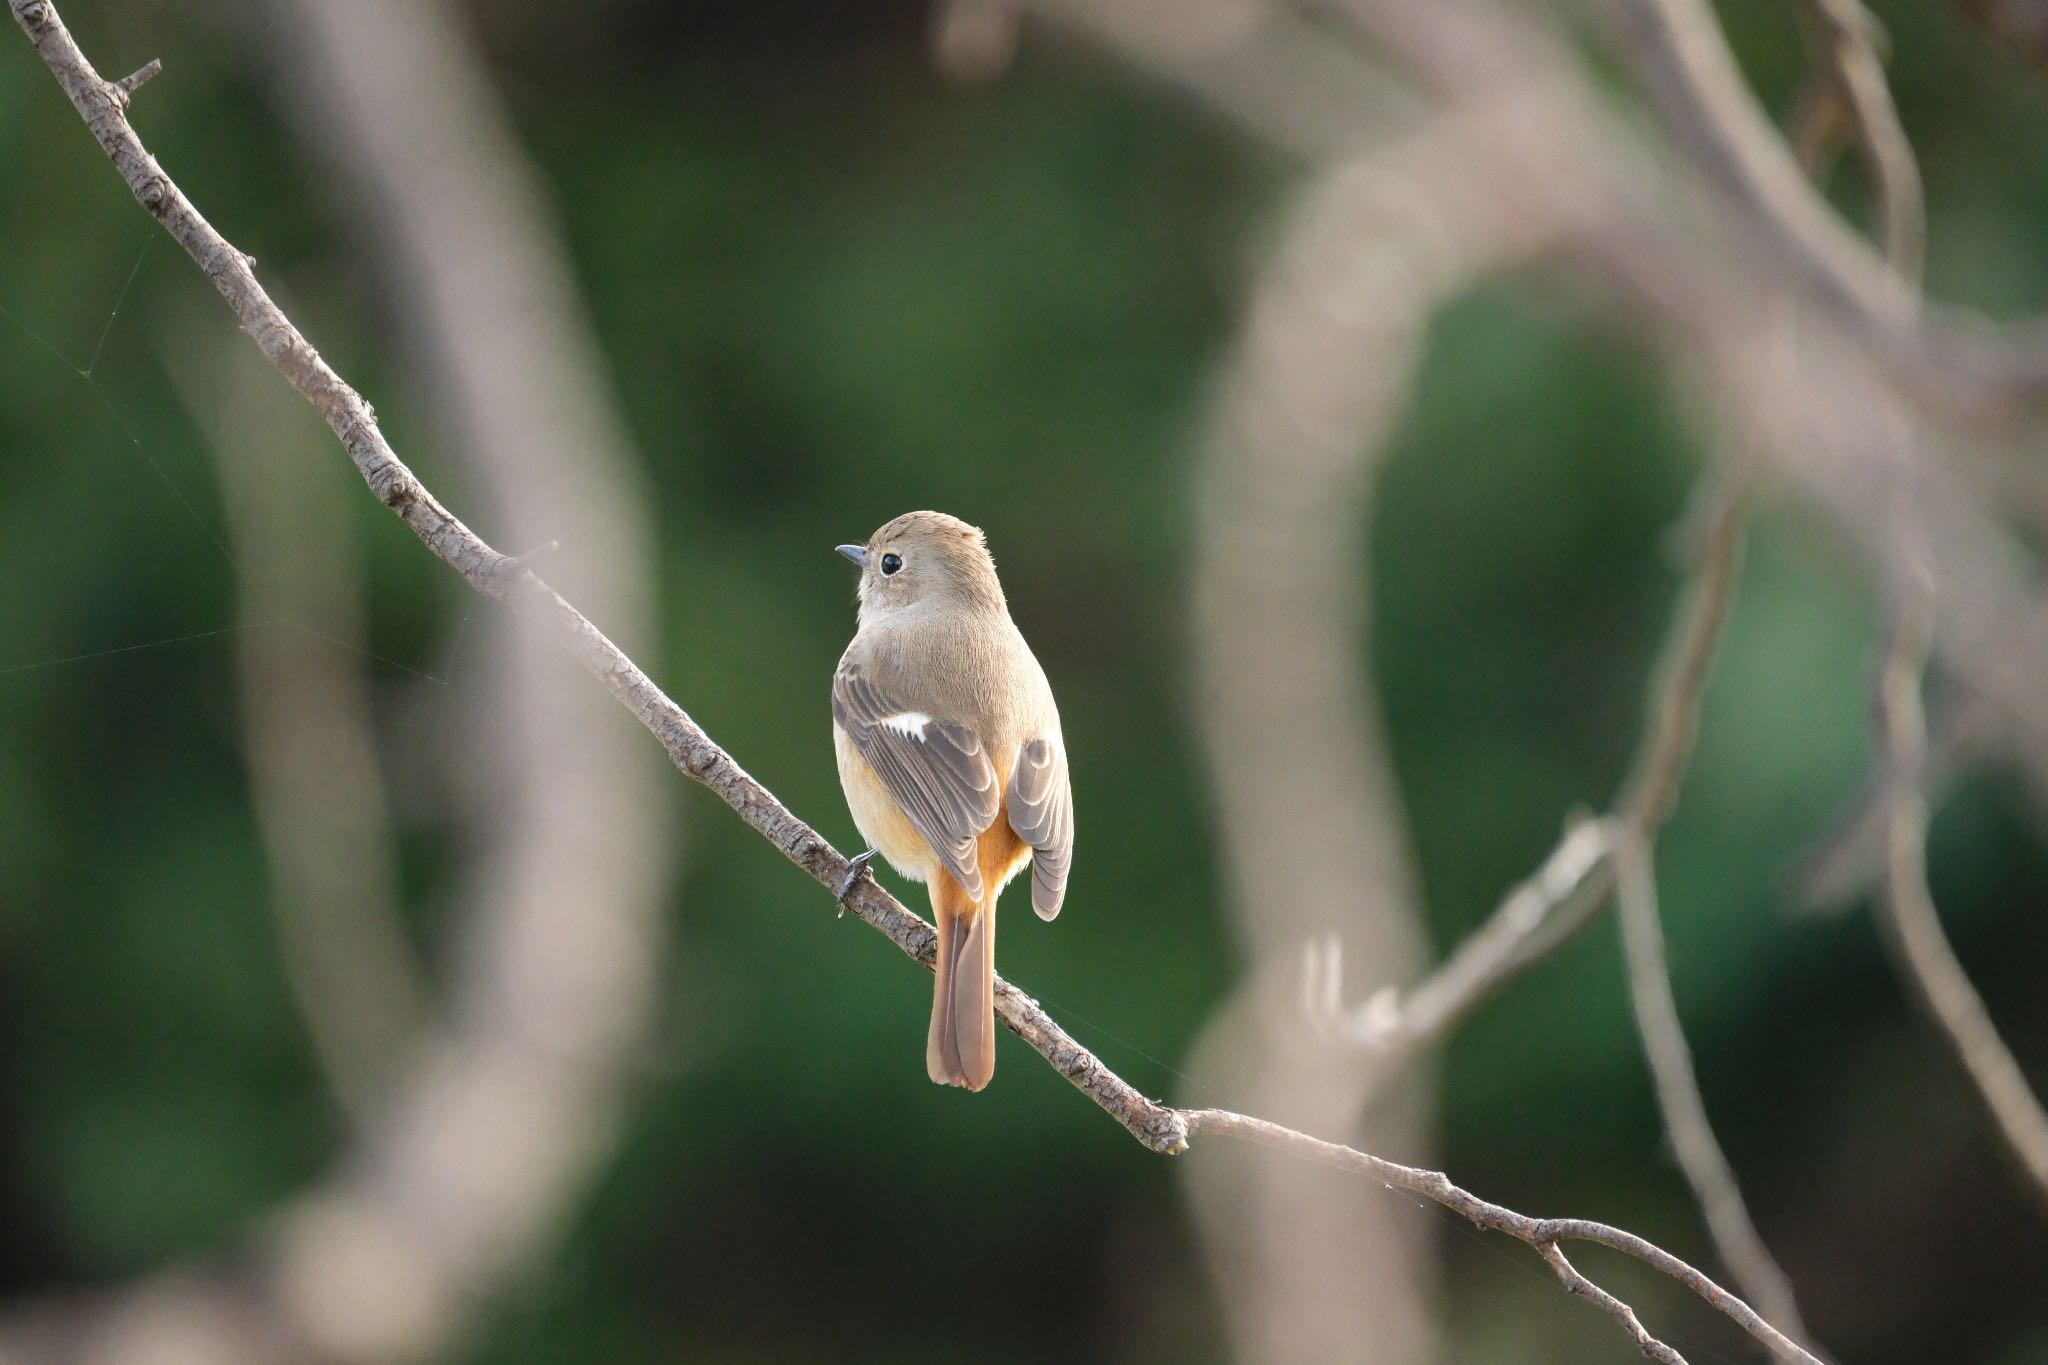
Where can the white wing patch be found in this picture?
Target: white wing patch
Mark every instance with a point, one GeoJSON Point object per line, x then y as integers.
{"type": "Point", "coordinates": [909, 724]}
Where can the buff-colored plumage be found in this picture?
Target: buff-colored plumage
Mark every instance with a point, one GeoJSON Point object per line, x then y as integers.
{"type": "Point", "coordinates": [951, 757]}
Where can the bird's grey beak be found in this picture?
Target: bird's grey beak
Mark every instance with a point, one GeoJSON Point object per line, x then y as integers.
{"type": "Point", "coordinates": [857, 553]}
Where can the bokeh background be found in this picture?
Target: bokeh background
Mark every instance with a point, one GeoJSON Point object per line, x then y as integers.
{"type": "Point", "coordinates": [827, 285]}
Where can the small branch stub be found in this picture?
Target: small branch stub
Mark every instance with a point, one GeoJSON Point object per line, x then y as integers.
{"type": "Point", "coordinates": [135, 80]}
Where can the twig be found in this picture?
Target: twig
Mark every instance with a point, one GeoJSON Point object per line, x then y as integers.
{"type": "Point", "coordinates": [1847, 859]}
{"type": "Point", "coordinates": [1913, 926]}
{"type": "Point", "coordinates": [1573, 885]}
{"type": "Point", "coordinates": [1490, 1217]}
{"type": "Point", "coordinates": [1694, 638]}
{"type": "Point", "coordinates": [138, 78]}
{"type": "Point", "coordinates": [1847, 43]}
{"type": "Point", "coordinates": [1646, 804]}
{"type": "Point", "coordinates": [1679, 1099]}
{"type": "Point", "coordinates": [1158, 1127]}
{"type": "Point", "coordinates": [1570, 886]}
{"type": "Point", "coordinates": [1576, 1283]}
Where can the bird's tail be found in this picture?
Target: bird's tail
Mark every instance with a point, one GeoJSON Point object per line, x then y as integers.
{"type": "Point", "coordinates": [961, 1047]}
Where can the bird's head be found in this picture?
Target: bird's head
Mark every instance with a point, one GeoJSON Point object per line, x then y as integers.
{"type": "Point", "coordinates": [924, 559]}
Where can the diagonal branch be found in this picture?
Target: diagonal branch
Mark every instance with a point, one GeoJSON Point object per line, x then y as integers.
{"type": "Point", "coordinates": [1160, 1128]}
{"type": "Point", "coordinates": [502, 578]}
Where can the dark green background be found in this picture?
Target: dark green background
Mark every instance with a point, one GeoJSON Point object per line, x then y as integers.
{"type": "Point", "coordinates": [832, 287]}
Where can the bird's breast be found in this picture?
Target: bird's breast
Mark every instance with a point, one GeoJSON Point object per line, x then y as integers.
{"type": "Point", "coordinates": [877, 816]}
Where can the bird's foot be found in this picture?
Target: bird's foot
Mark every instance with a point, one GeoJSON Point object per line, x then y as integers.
{"type": "Point", "coordinates": [856, 868]}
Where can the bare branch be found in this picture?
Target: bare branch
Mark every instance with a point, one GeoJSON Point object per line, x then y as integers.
{"type": "Point", "coordinates": [1307, 809]}
{"type": "Point", "coordinates": [1614, 853]}
{"type": "Point", "coordinates": [1536, 1232]}
{"type": "Point", "coordinates": [1850, 38]}
{"type": "Point", "coordinates": [1687, 71]}
{"type": "Point", "coordinates": [1572, 886]}
{"type": "Point", "coordinates": [1847, 44]}
{"type": "Point", "coordinates": [1913, 927]}
{"type": "Point", "coordinates": [1595, 857]}
{"type": "Point", "coordinates": [1679, 1100]}
{"type": "Point", "coordinates": [1576, 1283]}
{"type": "Point", "coordinates": [1158, 1127]}
{"type": "Point", "coordinates": [1847, 859]}
{"type": "Point", "coordinates": [1673, 718]}
{"type": "Point", "coordinates": [1548, 907]}
{"type": "Point", "coordinates": [1647, 802]}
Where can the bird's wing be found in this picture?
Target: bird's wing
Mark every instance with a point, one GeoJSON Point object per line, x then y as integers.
{"type": "Point", "coordinates": [1041, 806]}
{"type": "Point", "coordinates": [935, 768]}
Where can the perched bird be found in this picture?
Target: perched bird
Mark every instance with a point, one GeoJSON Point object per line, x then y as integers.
{"type": "Point", "coordinates": [950, 754]}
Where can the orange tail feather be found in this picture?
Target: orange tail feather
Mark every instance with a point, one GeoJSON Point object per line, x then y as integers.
{"type": "Point", "coordinates": [961, 1046]}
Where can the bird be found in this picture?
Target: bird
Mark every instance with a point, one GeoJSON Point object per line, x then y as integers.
{"type": "Point", "coordinates": [951, 757]}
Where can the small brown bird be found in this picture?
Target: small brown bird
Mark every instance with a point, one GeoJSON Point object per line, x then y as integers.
{"type": "Point", "coordinates": [951, 757]}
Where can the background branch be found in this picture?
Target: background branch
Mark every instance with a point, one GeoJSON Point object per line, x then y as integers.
{"type": "Point", "coordinates": [1813, 416]}
{"type": "Point", "coordinates": [1647, 801]}
{"type": "Point", "coordinates": [562, 931]}
{"type": "Point", "coordinates": [1849, 38]}
{"type": "Point", "coordinates": [313, 765]}
{"type": "Point", "coordinates": [1913, 926]}
{"type": "Point", "coordinates": [1574, 883]}
{"type": "Point", "coordinates": [1306, 802]}
{"type": "Point", "coordinates": [1685, 68]}
{"type": "Point", "coordinates": [1847, 42]}
{"type": "Point", "coordinates": [1706, 1167]}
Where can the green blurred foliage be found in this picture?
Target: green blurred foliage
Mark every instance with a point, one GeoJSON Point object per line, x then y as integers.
{"type": "Point", "coordinates": [831, 287]}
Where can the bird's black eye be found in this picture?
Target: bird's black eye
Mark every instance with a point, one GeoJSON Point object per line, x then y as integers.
{"type": "Point", "coordinates": [890, 564]}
